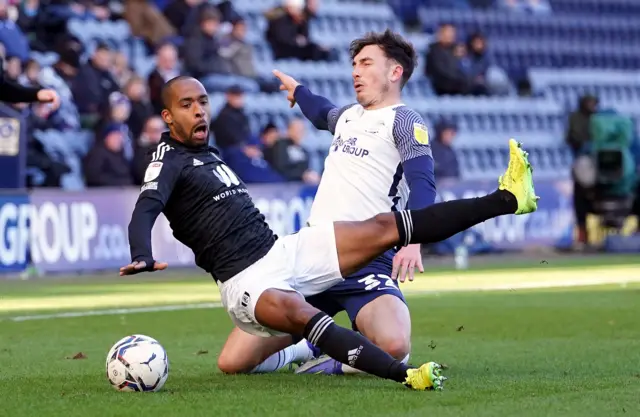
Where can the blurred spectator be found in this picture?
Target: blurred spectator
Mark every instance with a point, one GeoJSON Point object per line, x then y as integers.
{"type": "Point", "coordinates": [11, 36]}
{"type": "Point", "coordinates": [31, 74]}
{"type": "Point", "coordinates": [479, 61]}
{"type": "Point", "coordinates": [578, 133]}
{"type": "Point", "coordinates": [239, 54]}
{"type": "Point", "coordinates": [288, 157]}
{"type": "Point", "coordinates": [42, 118]}
{"type": "Point", "coordinates": [229, 14]}
{"type": "Point", "coordinates": [117, 114]}
{"type": "Point", "coordinates": [51, 169]}
{"type": "Point", "coordinates": [231, 127]}
{"type": "Point", "coordinates": [167, 67]}
{"type": "Point", "coordinates": [60, 77]}
{"type": "Point", "coordinates": [105, 165]}
{"type": "Point", "coordinates": [578, 137]}
{"type": "Point", "coordinates": [288, 32]}
{"type": "Point", "coordinates": [449, 67]}
{"type": "Point", "coordinates": [487, 77]}
{"type": "Point", "coordinates": [444, 156]}
{"type": "Point", "coordinates": [524, 87]}
{"type": "Point", "coordinates": [224, 9]}
{"type": "Point", "coordinates": [201, 49]}
{"type": "Point", "coordinates": [268, 137]}
{"type": "Point", "coordinates": [477, 48]}
{"type": "Point", "coordinates": [51, 27]}
{"type": "Point", "coordinates": [444, 68]}
{"type": "Point", "coordinates": [247, 159]}
{"type": "Point", "coordinates": [146, 143]}
{"type": "Point", "coordinates": [147, 22]}
{"type": "Point", "coordinates": [100, 9]}
{"type": "Point", "coordinates": [121, 70]}
{"type": "Point", "coordinates": [203, 60]}
{"type": "Point", "coordinates": [141, 108]}
{"type": "Point", "coordinates": [95, 81]}
{"type": "Point", "coordinates": [177, 12]}
{"type": "Point", "coordinates": [28, 15]}
{"type": "Point", "coordinates": [12, 68]}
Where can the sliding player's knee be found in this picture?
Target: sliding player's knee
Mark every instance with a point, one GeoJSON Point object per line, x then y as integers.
{"type": "Point", "coordinates": [387, 323]}
{"type": "Point", "coordinates": [398, 347]}
{"type": "Point", "coordinates": [230, 363]}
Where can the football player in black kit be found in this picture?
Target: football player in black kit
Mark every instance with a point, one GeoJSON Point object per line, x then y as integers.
{"type": "Point", "coordinates": [263, 278]}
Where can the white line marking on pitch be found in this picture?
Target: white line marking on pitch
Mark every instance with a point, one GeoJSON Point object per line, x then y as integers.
{"type": "Point", "coordinates": [114, 311]}
{"type": "Point", "coordinates": [410, 293]}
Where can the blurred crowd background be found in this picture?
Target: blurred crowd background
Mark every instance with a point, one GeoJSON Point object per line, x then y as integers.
{"type": "Point", "coordinates": [560, 75]}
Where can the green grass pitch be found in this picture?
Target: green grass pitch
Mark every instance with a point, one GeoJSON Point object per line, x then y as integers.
{"type": "Point", "coordinates": [518, 352]}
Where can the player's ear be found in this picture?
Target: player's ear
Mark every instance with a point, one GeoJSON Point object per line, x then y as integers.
{"type": "Point", "coordinates": [396, 72]}
{"type": "Point", "coordinates": [166, 116]}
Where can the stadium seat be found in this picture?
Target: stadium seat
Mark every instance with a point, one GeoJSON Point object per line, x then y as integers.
{"type": "Point", "coordinates": [585, 46]}
{"type": "Point", "coordinates": [60, 148]}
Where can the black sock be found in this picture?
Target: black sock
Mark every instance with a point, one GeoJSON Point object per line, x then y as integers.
{"type": "Point", "coordinates": [353, 349]}
{"type": "Point", "coordinates": [443, 220]}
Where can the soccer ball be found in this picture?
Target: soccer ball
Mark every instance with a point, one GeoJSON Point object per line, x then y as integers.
{"type": "Point", "coordinates": [137, 363]}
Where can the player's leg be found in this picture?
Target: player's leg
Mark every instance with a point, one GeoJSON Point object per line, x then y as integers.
{"type": "Point", "coordinates": [267, 300]}
{"type": "Point", "coordinates": [287, 311]}
{"type": "Point", "coordinates": [264, 301]}
{"type": "Point", "coordinates": [247, 353]}
{"type": "Point", "coordinates": [376, 307]}
{"type": "Point", "coordinates": [386, 321]}
{"type": "Point", "coordinates": [358, 243]}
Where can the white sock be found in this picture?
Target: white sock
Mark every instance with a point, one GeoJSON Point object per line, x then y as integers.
{"type": "Point", "coordinates": [300, 352]}
{"type": "Point", "coordinates": [346, 369]}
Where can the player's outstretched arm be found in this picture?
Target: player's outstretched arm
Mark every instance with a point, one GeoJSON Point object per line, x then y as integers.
{"type": "Point", "coordinates": [319, 110]}
{"type": "Point", "coordinates": [412, 141]}
{"type": "Point", "coordinates": [159, 181]}
{"type": "Point", "coordinates": [143, 218]}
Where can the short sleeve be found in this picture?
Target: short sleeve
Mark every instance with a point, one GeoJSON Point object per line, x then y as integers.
{"type": "Point", "coordinates": [410, 134]}
{"type": "Point", "coordinates": [161, 175]}
{"type": "Point", "coordinates": [334, 116]}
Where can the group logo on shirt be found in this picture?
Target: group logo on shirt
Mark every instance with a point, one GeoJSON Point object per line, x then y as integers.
{"type": "Point", "coordinates": [348, 146]}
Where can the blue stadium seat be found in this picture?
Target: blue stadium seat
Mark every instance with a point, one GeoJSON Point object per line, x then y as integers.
{"type": "Point", "coordinates": [59, 147]}
{"type": "Point", "coordinates": [584, 46]}
{"type": "Point", "coordinates": [521, 41]}
{"type": "Point", "coordinates": [597, 7]}
{"type": "Point", "coordinates": [44, 59]}
{"type": "Point", "coordinates": [90, 30]}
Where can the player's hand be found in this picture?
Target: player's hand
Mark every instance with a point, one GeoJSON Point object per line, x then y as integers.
{"type": "Point", "coordinates": [49, 96]}
{"type": "Point", "coordinates": [289, 85]}
{"type": "Point", "coordinates": [405, 262]}
{"type": "Point", "coordinates": [137, 267]}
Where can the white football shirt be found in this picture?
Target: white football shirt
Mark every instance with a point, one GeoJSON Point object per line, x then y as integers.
{"type": "Point", "coordinates": [363, 173]}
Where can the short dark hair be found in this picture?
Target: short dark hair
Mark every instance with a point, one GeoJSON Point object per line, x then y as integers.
{"type": "Point", "coordinates": [166, 89]}
{"type": "Point", "coordinates": [394, 47]}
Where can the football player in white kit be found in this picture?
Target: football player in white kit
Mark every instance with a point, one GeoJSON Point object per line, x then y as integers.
{"type": "Point", "coordinates": [380, 160]}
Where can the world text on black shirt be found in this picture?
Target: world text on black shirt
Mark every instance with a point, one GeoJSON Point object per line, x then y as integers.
{"type": "Point", "coordinates": [208, 208]}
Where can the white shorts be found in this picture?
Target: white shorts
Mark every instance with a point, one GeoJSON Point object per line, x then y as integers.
{"type": "Point", "coordinates": [305, 262]}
